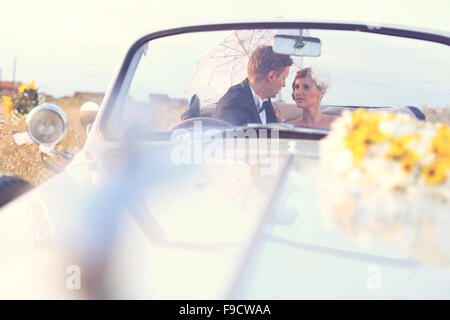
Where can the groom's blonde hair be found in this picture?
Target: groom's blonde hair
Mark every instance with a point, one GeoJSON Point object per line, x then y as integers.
{"type": "Point", "coordinates": [264, 60]}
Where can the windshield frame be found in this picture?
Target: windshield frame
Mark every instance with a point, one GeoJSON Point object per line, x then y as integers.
{"type": "Point", "coordinates": [124, 72]}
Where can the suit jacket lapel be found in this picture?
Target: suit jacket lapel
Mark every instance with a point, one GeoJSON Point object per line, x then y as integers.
{"type": "Point", "coordinates": [251, 106]}
{"type": "Point", "coordinates": [270, 113]}
{"type": "Point", "coordinates": [250, 103]}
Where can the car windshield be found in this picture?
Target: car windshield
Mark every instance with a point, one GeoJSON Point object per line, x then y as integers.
{"type": "Point", "coordinates": [174, 78]}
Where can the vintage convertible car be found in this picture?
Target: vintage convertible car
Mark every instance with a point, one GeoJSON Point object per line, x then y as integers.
{"type": "Point", "coordinates": [166, 202]}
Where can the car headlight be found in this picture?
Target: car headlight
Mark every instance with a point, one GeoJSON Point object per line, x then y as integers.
{"type": "Point", "coordinates": [46, 124]}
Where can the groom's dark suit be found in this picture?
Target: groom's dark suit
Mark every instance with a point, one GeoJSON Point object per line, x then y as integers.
{"type": "Point", "coordinates": [238, 107]}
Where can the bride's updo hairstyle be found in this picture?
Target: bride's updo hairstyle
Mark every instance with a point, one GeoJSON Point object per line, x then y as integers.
{"type": "Point", "coordinates": [318, 77]}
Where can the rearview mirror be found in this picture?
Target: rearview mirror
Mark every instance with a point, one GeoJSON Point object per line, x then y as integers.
{"type": "Point", "coordinates": [297, 45]}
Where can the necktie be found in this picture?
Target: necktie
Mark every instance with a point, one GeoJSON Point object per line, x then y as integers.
{"type": "Point", "coordinates": [264, 106]}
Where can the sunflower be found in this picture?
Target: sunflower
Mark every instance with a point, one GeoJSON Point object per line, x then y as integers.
{"type": "Point", "coordinates": [435, 172]}
{"type": "Point", "coordinates": [399, 146]}
{"type": "Point", "coordinates": [24, 86]}
{"type": "Point", "coordinates": [8, 103]}
{"type": "Point", "coordinates": [365, 132]}
{"type": "Point", "coordinates": [409, 161]}
{"type": "Point", "coordinates": [440, 144]}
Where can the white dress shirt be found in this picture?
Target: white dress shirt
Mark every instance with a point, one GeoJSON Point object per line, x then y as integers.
{"type": "Point", "coordinates": [258, 103]}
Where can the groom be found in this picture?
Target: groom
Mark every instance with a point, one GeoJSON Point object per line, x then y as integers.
{"type": "Point", "coordinates": [249, 101]}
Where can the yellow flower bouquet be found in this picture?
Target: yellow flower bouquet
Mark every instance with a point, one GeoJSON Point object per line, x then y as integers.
{"type": "Point", "coordinates": [22, 101]}
{"type": "Point", "coordinates": [391, 152]}
{"type": "Point", "coordinates": [386, 176]}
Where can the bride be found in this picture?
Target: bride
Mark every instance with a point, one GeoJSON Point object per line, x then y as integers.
{"type": "Point", "coordinates": [308, 90]}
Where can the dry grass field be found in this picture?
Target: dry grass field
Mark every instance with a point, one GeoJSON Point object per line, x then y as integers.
{"type": "Point", "coordinates": [437, 115]}
{"type": "Point", "coordinates": [24, 161]}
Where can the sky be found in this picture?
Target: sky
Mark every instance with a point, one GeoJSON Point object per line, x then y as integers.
{"type": "Point", "coordinates": [76, 45]}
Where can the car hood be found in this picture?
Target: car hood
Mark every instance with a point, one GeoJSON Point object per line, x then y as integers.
{"type": "Point", "coordinates": [138, 225]}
